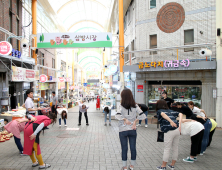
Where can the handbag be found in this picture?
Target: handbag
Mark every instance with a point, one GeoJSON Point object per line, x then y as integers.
{"type": "Point", "coordinates": [160, 136]}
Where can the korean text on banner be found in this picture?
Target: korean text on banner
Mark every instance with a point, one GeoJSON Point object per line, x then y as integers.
{"type": "Point", "coordinates": [22, 74]}
{"type": "Point", "coordinates": [74, 39]}
{"type": "Point", "coordinates": [139, 88]}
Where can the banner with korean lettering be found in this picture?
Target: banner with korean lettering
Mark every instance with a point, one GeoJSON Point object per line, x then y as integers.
{"type": "Point", "coordinates": [22, 74]}
{"type": "Point", "coordinates": [74, 40]}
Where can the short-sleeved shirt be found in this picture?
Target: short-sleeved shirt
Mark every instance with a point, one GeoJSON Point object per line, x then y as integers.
{"type": "Point", "coordinates": [165, 124]}
{"type": "Point", "coordinates": [81, 109]}
{"type": "Point", "coordinates": [197, 111]}
{"type": "Point", "coordinates": [214, 124]}
{"type": "Point", "coordinates": [169, 101]}
{"type": "Point", "coordinates": [54, 99]}
{"type": "Point", "coordinates": [186, 111]}
{"type": "Point", "coordinates": [29, 105]}
{"type": "Point", "coordinates": [194, 117]}
{"type": "Point", "coordinates": [143, 107]}
{"type": "Point", "coordinates": [191, 128]}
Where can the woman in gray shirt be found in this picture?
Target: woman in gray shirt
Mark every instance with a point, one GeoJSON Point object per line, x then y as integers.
{"type": "Point", "coordinates": [128, 114]}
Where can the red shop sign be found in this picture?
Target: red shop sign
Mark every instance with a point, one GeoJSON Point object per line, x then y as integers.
{"type": "Point", "coordinates": [61, 79]}
{"type": "Point", "coordinates": [5, 48]}
{"type": "Point", "coordinates": [30, 73]}
{"type": "Point", "coordinates": [139, 88]}
{"type": "Point", "coordinates": [43, 78]}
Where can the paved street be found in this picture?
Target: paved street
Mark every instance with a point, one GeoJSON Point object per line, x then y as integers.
{"type": "Point", "coordinates": [97, 147]}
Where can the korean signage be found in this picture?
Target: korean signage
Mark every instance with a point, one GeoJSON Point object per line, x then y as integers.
{"type": "Point", "coordinates": [75, 39]}
{"type": "Point", "coordinates": [43, 78]}
{"type": "Point", "coordinates": [43, 86]}
{"type": "Point", "coordinates": [61, 85]}
{"type": "Point", "coordinates": [5, 48]}
{"type": "Point", "coordinates": [166, 64]}
{"type": "Point", "coordinates": [139, 88]}
{"type": "Point", "coordinates": [22, 74]}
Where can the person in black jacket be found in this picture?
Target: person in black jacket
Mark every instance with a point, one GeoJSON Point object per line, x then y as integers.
{"type": "Point", "coordinates": [145, 109]}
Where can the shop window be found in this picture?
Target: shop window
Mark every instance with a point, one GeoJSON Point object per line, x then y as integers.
{"type": "Point", "coordinates": [53, 63]}
{"type": "Point", "coordinates": [188, 39]}
{"type": "Point", "coordinates": [152, 4]}
{"type": "Point", "coordinates": [153, 43]}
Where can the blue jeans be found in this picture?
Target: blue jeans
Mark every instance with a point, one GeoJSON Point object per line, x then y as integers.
{"type": "Point", "coordinates": [18, 144]}
{"type": "Point", "coordinates": [60, 121]}
{"type": "Point", "coordinates": [146, 120]}
{"type": "Point", "coordinates": [124, 136]}
{"type": "Point", "coordinates": [109, 116]}
{"type": "Point", "coordinates": [207, 126]}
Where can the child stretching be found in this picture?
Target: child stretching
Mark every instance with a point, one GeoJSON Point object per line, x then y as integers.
{"type": "Point", "coordinates": [62, 114]}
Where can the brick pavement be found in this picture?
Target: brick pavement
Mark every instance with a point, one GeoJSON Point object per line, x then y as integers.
{"type": "Point", "coordinates": [97, 147]}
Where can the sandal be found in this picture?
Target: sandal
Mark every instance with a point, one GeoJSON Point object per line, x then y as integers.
{"type": "Point", "coordinates": [44, 166]}
{"type": "Point", "coordinates": [34, 165]}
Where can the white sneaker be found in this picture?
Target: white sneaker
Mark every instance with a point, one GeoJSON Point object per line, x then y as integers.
{"type": "Point", "coordinates": [59, 125]}
{"type": "Point", "coordinates": [146, 126]}
{"type": "Point", "coordinates": [138, 125]}
{"type": "Point", "coordinates": [65, 125]}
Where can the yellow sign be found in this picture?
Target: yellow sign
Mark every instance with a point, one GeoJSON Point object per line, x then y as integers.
{"type": "Point", "coordinates": [43, 86]}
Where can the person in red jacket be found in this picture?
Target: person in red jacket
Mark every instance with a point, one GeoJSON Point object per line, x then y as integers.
{"type": "Point", "coordinates": [31, 138]}
{"type": "Point", "coordinates": [98, 103]}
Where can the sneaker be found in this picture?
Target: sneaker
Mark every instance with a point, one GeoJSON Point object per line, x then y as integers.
{"type": "Point", "coordinates": [65, 125]}
{"type": "Point", "coordinates": [146, 126]}
{"type": "Point", "coordinates": [201, 154]}
{"type": "Point", "coordinates": [44, 166]}
{"type": "Point", "coordinates": [138, 125]}
{"type": "Point", "coordinates": [79, 124]}
{"type": "Point", "coordinates": [130, 168]}
{"type": "Point", "coordinates": [87, 124]}
{"type": "Point", "coordinates": [34, 165]}
{"type": "Point", "coordinates": [161, 167]}
{"type": "Point", "coordinates": [23, 154]}
{"type": "Point", "coordinates": [105, 124]}
{"type": "Point", "coordinates": [188, 159]}
{"type": "Point", "coordinates": [109, 124]}
{"type": "Point", "coordinates": [203, 151]}
{"type": "Point", "coordinates": [171, 167]}
{"type": "Point", "coordinates": [59, 125]}
{"type": "Point", "coordinates": [195, 158]}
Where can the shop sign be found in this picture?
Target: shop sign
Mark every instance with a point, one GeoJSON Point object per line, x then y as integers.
{"type": "Point", "coordinates": [61, 85]}
{"type": "Point", "coordinates": [68, 79]}
{"type": "Point", "coordinates": [43, 78]}
{"type": "Point", "coordinates": [61, 79]}
{"type": "Point", "coordinates": [50, 78]}
{"type": "Point", "coordinates": [166, 64]}
{"type": "Point", "coordinates": [74, 39]}
{"type": "Point", "coordinates": [43, 86]}
{"type": "Point", "coordinates": [71, 87]}
{"type": "Point", "coordinates": [30, 74]}
{"type": "Point", "coordinates": [18, 74]}
{"type": "Point", "coordinates": [139, 88]}
{"type": "Point", "coordinates": [5, 48]}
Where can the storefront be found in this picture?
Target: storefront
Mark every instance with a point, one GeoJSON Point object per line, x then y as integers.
{"type": "Point", "coordinates": [183, 80]}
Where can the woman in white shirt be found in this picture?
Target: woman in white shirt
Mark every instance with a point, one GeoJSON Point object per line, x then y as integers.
{"type": "Point", "coordinates": [196, 131]}
{"type": "Point", "coordinates": [62, 114]}
{"type": "Point", "coordinates": [196, 110]}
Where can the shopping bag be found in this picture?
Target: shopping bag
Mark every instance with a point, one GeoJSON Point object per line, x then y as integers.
{"type": "Point", "coordinates": [160, 136]}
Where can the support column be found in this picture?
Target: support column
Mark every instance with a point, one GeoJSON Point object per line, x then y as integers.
{"type": "Point", "coordinates": [121, 43]}
{"type": "Point", "coordinates": [219, 63]}
{"type": "Point", "coordinates": [34, 27]}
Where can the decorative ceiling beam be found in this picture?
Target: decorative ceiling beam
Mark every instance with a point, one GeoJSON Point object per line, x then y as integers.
{"type": "Point", "coordinates": [67, 3]}
{"type": "Point", "coordinates": [85, 21]}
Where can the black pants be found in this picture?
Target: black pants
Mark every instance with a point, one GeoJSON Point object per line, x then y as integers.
{"type": "Point", "coordinates": [210, 137]}
{"type": "Point", "coordinates": [54, 109]}
{"type": "Point", "coordinates": [80, 117]}
{"type": "Point", "coordinates": [196, 141]}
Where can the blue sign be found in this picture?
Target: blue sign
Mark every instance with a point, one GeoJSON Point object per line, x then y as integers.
{"type": "Point", "coordinates": [84, 84]}
{"type": "Point", "coordinates": [16, 53]}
